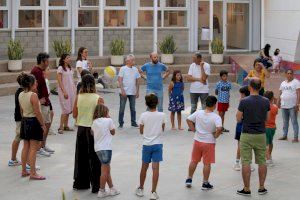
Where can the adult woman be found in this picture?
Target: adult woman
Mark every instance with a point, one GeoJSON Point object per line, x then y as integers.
{"type": "Point", "coordinates": [87, 164]}
{"type": "Point", "coordinates": [264, 54]}
{"type": "Point", "coordinates": [66, 91]}
{"type": "Point", "coordinates": [82, 62]}
{"type": "Point", "coordinates": [260, 73]}
{"type": "Point", "coordinates": [32, 125]}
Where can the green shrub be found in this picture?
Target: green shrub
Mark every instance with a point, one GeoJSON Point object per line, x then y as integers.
{"type": "Point", "coordinates": [61, 47]}
{"type": "Point", "coordinates": [15, 50]}
{"type": "Point", "coordinates": [168, 45]}
{"type": "Point", "coordinates": [117, 47]}
{"type": "Point", "coordinates": [217, 46]}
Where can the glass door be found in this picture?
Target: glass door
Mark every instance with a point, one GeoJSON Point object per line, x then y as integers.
{"type": "Point", "coordinates": [203, 25]}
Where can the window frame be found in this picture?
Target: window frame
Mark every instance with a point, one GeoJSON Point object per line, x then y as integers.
{"type": "Point", "coordinates": [67, 8]}
{"type": "Point", "coordinates": [7, 8]}
{"type": "Point", "coordinates": [117, 8]}
{"type": "Point", "coordinates": [40, 7]}
{"type": "Point", "coordinates": [82, 7]}
{"type": "Point", "coordinates": [139, 8]}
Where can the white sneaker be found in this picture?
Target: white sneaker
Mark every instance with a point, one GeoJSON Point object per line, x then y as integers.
{"type": "Point", "coordinates": [154, 196]}
{"type": "Point", "coordinates": [139, 192]}
{"type": "Point", "coordinates": [42, 152]}
{"type": "Point", "coordinates": [51, 132]}
{"type": "Point", "coordinates": [237, 167]}
{"type": "Point", "coordinates": [270, 163]}
{"type": "Point", "coordinates": [49, 150]}
{"type": "Point", "coordinates": [252, 168]}
{"type": "Point", "coordinates": [113, 192]}
{"type": "Point", "coordinates": [37, 167]}
{"type": "Point", "coordinates": [103, 194]}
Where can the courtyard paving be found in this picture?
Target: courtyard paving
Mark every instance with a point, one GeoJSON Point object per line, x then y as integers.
{"type": "Point", "coordinates": [283, 179]}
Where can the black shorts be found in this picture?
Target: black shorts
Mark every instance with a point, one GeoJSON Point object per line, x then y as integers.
{"type": "Point", "coordinates": [31, 129]}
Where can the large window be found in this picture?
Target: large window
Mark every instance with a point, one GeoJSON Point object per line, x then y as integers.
{"type": "Point", "coordinates": [58, 13]}
{"type": "Point", "coordinates": [30, 14]}
{"type": "Point", "coordinates": [115, 14]}
{"type": "Point", "coordinates": [145, 13]}
{"type": "Point", "coordinates": [3, 14]}
{"type": "Point", "coordinates": [88, 15]}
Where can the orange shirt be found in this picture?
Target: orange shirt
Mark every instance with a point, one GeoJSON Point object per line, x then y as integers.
{"type": "Point", "coordinates": [272, 116]}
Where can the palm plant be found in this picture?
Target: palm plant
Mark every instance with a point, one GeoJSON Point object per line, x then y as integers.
{"type": "Point", "coordinates": [168, 45]}
{"type": "Point", "coordinates": [117, 47]}
{"type": "Point", "coordinates": [15, 50]}
{"type": "Point", "coordinates": [61, 47]}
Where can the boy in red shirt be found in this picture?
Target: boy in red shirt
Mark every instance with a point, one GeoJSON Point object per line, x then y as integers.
{"type": "Point", "coordinates": [270, 127]}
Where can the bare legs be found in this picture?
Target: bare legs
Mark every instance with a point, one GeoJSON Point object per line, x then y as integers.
{"type": "Point", "coordinates": [14, 149]}
{"type": "Point", "coordinates": [45, 135]}
{"type": "Point", "coordinates": [192, 168]}
{"type": "Point", "coordinates": [269, 151]}
{"type": "Point", "coordinates": [206, 170]}
{"type": "Point", "coordinates": [246, 172]}
{"type": "Point", "coordinates": [105, 176]}
{"type": "Point", "coordinates": [143, 174]}
{"type": "Point", "coordinates": [64, 119]}
{"type": "Point", "coordinates": [238, 151]}
{"type": "Point", "coordinates": [172, 117]}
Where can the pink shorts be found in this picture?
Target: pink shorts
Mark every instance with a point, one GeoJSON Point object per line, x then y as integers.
{"type": "Point", "coordinates": [205, 151]}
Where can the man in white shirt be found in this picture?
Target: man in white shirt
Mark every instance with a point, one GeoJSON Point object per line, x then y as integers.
{"type": "Point", "coordinates": [129, 88]}
{"type": "Point", "coordinates": [198, 75]}
{"type": "Point", "coordinates": [288, 101]}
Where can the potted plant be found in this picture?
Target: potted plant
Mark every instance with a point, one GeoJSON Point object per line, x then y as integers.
{"type": "Point", "coordinates": [217, 50]}
{"type": "Point", "coordinates": [167, 48]}
{"type": "Point", "coordinates": [15, 54]}
{"type": "Point", "coordinates": [117, 52]}
{"type": "Point", "coordinates": [60, 47]}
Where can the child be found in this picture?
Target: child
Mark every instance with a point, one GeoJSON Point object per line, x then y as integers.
{"type": "Point", "coordinates": [103, 129]}
{"type": "Point", "coordinates": [152, 124]}
{"type": "Point", "coordinates": [270, 126]}
{"type": "Point", "coordinates": [176, 104]}
{"type": "Point", "coordinates": [223, 88]}
{"type": "Point", "coordinates": [207, 126]}
{"type": "Point", "coordinates": [276, 60]}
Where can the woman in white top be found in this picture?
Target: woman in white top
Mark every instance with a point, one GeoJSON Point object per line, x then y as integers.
{"type": "Point", "coordinates": [82, 62]}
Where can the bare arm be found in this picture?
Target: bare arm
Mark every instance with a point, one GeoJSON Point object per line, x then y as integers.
{"type": "Point", "coordinates": [34, 100]}
{"type": "Point", "coordinates": [279, 100]}
{"type": "Point", "coordinates": [239, 116]}
{"type": "Point", "coordinates": [137, 82]}
{"type": "Point", "coordinates": [166, 74]}
{"type": "Point", "coordinates": [163, 127]}
{"type": "Point", "coordinates": [120, 80]}
{"type": "Point", "coordinates": [141, 129]}
{"type": "Point", "coordinates": [191, 125]}
{"type": "Point", "coordinates": [204, 76]}
{"type": "Point", "coordinates": [218, 132]}
{"type": "Point", "coordinates": [298, 98]}
{"type": "Point", "coordinates": [171, 85]}
{"type": "Point", "coordinates": [143, 75]}
{"type": "Point", "coordinates": [113, 131]}
{"type": "Point", "coordinates": [191, 79]}
{"type": "Point", "coordinates": [75, 109]}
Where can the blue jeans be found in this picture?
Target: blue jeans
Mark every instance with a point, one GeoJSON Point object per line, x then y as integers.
{"type": "Point", "coordinates": [123, 101]}
{"type": "Point", "coordinates": [160, 96]}
{"type": "Point", "coordinates": [286, 115]}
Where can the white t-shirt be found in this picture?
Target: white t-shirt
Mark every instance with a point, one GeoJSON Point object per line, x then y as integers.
{"type": "Point", "coordinates": [195, 72]}
{"type": "Point", "coordinates": [129, 75]}
{"type": "Point", "coordinates": [81, 64]}
{"type": "Point", "coordinates": [205, 124]}
{"type": "Point", "coordinates": [276, 59]}
{"type": "Point", "coordinates": [102, 137]}
{"type": "Point", "coordinates": [289, 93]}
{"type": "Point", "coordinates": [152, 122]}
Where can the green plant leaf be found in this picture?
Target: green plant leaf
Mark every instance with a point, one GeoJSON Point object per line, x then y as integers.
{"type": "Point", "coordinates": [217, 46]}
{"type": "Point", "coordinates": [61, 47]}
{"type": "Point", "coordinates": [117, 47]}
{"type": "Point", "coordinates": [167, 45]}
{"type": "Point", "coordinates": [15, 50]}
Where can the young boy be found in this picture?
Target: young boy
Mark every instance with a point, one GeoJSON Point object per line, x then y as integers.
{"type": "Point", "coordinates": [207, 126]}
{"type": "Point", "coordinates": [152, 125]}
{"type": "Point", "coordinates": [223, 88]}
{"type": "Point", "coordinates": [270, 127]}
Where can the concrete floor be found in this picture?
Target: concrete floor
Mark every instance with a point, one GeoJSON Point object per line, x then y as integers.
{"type": "Point", "coordinates": [283, 179]}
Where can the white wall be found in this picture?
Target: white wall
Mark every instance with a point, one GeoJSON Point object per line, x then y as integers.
{"type": "Point", "coordinates": [282, 27]}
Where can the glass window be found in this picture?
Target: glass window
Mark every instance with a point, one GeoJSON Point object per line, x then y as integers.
{"type": "Point", "coordinates": [57, 2]}
{"type": "Point", "coordinates": [30, 18]}
{"type": "Point", "coordinates": [175, 3]}
{"type": "Point", "coordinates": [115, 18]}
{"type": "Point", "coordinates": [148, 3]}
{"type": "Point", "coordinates": [175, 18]}
{"type": "Point", "coordinates": [3, 19]}
{"type": "Point", "coordinates": [88, 18]}
{"type": "Point", "coordinates": [115, 2]}
{"type": "Point", "coordinates": [2, 2]}
{"type": "Point", "coordinates": [145, 18]}
{"type": "Point", "coordinates": [89, 2]}
{"type": "Point", "coordinates": [30, 2]}
{"type": "Point", "coordinates": [58, 18]}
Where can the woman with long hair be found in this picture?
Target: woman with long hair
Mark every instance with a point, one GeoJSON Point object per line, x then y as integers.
{"type": "Point", "coordinates": [87, 164]}
{"type": "Point", "coordinates": [66, 91]}
{"type": "Point", "coordinates": [265, 57]}
{"type": "Point", "coordinates": [82, 62]}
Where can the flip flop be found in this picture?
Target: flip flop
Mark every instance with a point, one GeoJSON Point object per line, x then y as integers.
{"type": "Point", "coordinates": [60, 131]}
{"type": "Point", "coordinates": [38, 178]}
{"type": "Point", "coordinates": [68, 129]}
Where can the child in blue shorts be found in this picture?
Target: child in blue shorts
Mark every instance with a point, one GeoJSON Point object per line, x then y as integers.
{"type": "Point", "coordinates": [152, 125]}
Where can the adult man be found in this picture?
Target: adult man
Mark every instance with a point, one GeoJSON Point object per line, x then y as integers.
{"type": "Point", "coordinates": [253, 110]}
{"type": "Point", "coordinates": [289, 102]}
{"type": "Point", "coordinates": [156, 72]}
{"type": "Point", "coordinates": [129, 88]}
{"type": "Point", "coordinates": [197, 75]}
{"type": "Point", "coordinates": [42, 91]}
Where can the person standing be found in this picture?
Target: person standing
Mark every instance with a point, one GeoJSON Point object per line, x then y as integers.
{"type": "Point", "coordinates": [253, 112]}
{"type": "Point", "coordinates": [82, 62]}
{"type": "Point", "coordinates": [288, 101]}
{"type": "Point", "coordinates": [66, 91]}
{"type": "Point", "coordinates": [198, 75]}
{"type": "Point", "coordinates": [156, 72]}
{"type": "Point", "coordinates": [129, 89]}
{"type": "Point", "coordinates": [42, 92]}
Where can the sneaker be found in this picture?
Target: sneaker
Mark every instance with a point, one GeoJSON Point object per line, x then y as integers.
{"type": "Point", "coordinates": [225, 130]}
{"type": "Point", "coordinates": [51, 132]}
{"type": "Point", "coordinates": [113, 192]}
{"type": "Point", "coordinates": [51, 151]}
{"type": "Point", "coordinates": [13, 163]}
{"type": "Point", "coordinates": [120, 127]}
{"type": "Point", "coordinates": [243, 192]}
{"type": "Point", "coordinates": [139, 192]}
{"type": "Point", "coordinates": [207, 186]}
{"type": "Point", "coordinates": [103, 194]}
{"type": "Point", "coordinates": [42, 152]}
{"type": "Point", "coordinates": [283, 138]}
{"type": "Point", "coordinates": [296, 140]}
{"type": "Point", "coordinates": [252, 169]}
{"type": "Point", "coordinates": [237, 167]}
{"type": "Point", "coordinates": [154, 196]}
{"type": "Point", "coordinates": [188, 183]}
{"type": "Point", "coordinates": [262, 191]}
{"type": "Point", "coordinates": [270, 163]}
{"type": "Point", "coordinates": [135, 125]}
{"type": "Point", "coordinates": [37, 167]}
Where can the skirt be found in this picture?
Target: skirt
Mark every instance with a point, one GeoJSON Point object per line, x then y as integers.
{"type": "Point", "coordinates": [31, 129]}
{"type": "Point", "coordinates": [176, 103]}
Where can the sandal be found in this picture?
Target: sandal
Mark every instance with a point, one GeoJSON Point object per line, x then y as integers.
{"type": "Point", "coordinates": [37, 177]}
{"type": "Point", "coordinates": [25, 174]}
{"type": "Point", "coordinates": [66, 128]}
{"type": "Point", "coordinates": [60, 131]}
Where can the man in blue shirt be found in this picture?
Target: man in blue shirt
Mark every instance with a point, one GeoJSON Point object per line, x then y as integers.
{"type": "Point", "coordinates": [155, 72]}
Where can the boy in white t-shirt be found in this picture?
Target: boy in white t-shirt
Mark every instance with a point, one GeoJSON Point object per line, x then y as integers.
{"type": "Point", "coordinates": [207, 126]}
{"type": "Point", "coordinates": [152, 125]}
{"type": "Point", "coordinates": [103, 129]}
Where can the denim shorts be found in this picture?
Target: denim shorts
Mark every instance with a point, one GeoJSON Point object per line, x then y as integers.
{"type": "Point", "coordinates": [152, 153]}
{"type": "Point", "coordinates": [104, 156]}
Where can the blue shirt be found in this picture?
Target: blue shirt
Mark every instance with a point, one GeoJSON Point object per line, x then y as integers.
{"type": "Point", "coordinates": [223, 90]}
{"type": "Point", "coordinates": [154, 75]}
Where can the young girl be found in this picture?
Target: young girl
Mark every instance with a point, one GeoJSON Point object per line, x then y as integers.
{"type": "Point", "coordinates": [176, 104]}
{"type": "Point", "coordinates": [103, 129]}
{"type": "Point", "coordinates": [82, 62]}
{"type": "Point", "coordinates": [276, 60]}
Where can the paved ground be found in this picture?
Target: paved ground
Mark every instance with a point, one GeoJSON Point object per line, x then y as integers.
{"type": "Point", "coordinates": [283, 180]}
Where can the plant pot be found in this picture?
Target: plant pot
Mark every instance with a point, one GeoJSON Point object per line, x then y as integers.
{"type": "Point", "coordinates": [14, 65]}
{"type": "Point", "coordinates": [57, 62]}
{"type": "Point", "coordinates": [116, 60]}
{"type": "Point", "coordinates": [217, 58]}
{"type": "Point", "coordinates": [167, 58]}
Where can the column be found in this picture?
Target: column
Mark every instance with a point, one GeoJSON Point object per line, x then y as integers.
{"type": "Point", "coordinates": [73, 11]}
{"type": "Point", "coordinates": [155, 18]}
{"type": "Point", "coordinates": [46, 26]}
{"type": "Point", "coordinates": [132, 13]}
{"type": "Point", "coordinates": [14, 17]}
{"type": "Point", "coordinates": [262, 25]}
{"type": "Point", "coordinates": [211, 22]}
{"type": "Point", "coordinates": [101, 25]}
